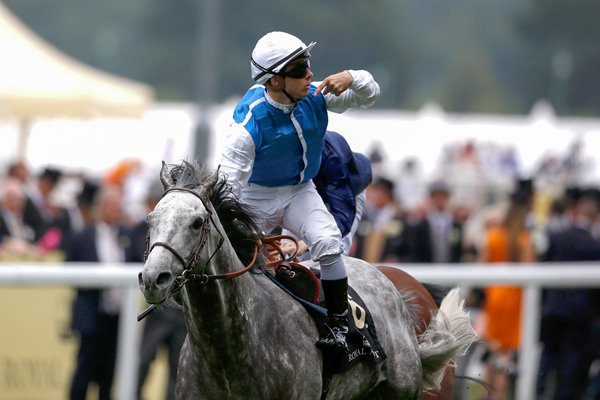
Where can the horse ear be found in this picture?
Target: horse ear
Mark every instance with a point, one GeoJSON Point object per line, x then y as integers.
{"type": "Point", "coordinates": [211, 180]}
{"type": "Point", "coordinates": [165, 177]}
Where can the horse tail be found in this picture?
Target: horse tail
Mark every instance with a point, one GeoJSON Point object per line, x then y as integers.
{"type": "Point", "coordinates": [448, 334]}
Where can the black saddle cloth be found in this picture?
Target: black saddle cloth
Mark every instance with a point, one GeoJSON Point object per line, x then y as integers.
{"type": "Point", "coordinates": [304, 285]}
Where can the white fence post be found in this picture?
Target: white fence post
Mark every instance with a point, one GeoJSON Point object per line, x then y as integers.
{"type": "Point", "coordinates": [529, 354]}
{"type": "Point", "coordinates": [128, 350]}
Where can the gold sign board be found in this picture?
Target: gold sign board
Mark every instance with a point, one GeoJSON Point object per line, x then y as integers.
{"type": "Point", "coordinates": [38, 351]}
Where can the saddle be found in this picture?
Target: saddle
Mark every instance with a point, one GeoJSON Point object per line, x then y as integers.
{"type": "Point", "coordinates": [304, 285]}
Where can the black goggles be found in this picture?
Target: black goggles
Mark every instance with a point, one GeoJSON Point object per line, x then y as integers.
{"type": "Point", "coordinates": [298, 70]}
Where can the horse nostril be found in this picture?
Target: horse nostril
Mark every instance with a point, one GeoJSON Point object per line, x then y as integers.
{"type": "Point", "coordinates": [164, 278]}
{"type": "Point", "coordinates": [140, 280]}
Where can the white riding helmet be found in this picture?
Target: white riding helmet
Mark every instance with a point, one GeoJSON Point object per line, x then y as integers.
{"type": "Point", "coordinates": [273, 52]}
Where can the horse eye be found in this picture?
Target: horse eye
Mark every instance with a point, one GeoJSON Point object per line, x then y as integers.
{"type": "Point", "coordinates": [197, 223]}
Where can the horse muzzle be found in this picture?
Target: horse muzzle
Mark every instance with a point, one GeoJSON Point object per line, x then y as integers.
{"type": "Point", "coordinates": [155, 285]}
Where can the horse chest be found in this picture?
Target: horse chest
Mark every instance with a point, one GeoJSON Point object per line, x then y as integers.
{"type": "Point", "coordinates": [244, 382]}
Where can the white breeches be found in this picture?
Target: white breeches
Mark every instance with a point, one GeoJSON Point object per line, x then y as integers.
{"type": "Point", "coordinates": [299, 209]}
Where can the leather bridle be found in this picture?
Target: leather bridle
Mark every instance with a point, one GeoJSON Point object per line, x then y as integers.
{"type": "Point", "coordinates": [188, 266]}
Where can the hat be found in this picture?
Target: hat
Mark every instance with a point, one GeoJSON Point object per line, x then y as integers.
{"type": "Point", "coordinates": [523, 192]}
{"type": "Point", "coordinates": [592, 193]}
{"type": "Point", "coordinates": [386, 184]}
{"type": "Point", "coordinates": [439, 187]}
{"type": "Point", "coordinates": [88, 193]}
{"type": "Point", "coordinates": [375, 155]}
{"type": "Point", "coordinates": [273, 52]}
{"type": "Point", "coordinates": [51, 174]}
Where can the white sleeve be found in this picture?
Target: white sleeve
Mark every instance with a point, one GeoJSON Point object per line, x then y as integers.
{"type": "Point", "coordinates": [363, 93]}
{"type": "Point", "coordinates": [237, 158]}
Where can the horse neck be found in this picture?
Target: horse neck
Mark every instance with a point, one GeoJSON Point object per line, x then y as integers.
{"type": "Point", "coordinates": [219, 310]}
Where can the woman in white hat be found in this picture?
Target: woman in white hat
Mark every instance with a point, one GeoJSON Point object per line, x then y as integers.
{"type": "Point", "coordinates": [274, 150]}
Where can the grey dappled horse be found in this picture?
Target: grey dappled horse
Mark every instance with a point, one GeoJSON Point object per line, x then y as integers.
{"type": "Point", "coordinates": [248, 339]}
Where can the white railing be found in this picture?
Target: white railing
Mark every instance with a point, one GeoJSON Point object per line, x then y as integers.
{"type": "Point", "coordinates": [533, 277]}
{"type": "Point", "coordinates": [93, 275]}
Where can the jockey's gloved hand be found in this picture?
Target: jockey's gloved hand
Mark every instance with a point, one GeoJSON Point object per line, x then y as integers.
{"type": "Point", "coordinates": [288, 247]}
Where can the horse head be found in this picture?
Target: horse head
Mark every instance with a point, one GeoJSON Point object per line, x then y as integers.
{"type": "Point", "coordinates": [178, 230]}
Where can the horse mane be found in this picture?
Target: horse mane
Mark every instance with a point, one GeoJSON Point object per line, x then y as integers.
{"type": "Point", "coordinates": [238, 220]}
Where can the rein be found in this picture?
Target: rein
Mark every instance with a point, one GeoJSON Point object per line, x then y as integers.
{"type": "Point", "coordinates": [204, 278]}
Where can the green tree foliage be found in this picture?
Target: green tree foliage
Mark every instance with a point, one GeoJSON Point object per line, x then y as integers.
{"type": "Point", "coordinates": [374, 40]}
{"type": "Point", "coordinates": [466, 56]}
{"type": "Point", "coordinates": [562, 53]}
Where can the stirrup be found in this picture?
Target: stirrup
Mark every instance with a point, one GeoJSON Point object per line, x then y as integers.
{"type": "Point", "coordinates": [365, 343]}
{"type": "Point", "coordinates": [335, 340]}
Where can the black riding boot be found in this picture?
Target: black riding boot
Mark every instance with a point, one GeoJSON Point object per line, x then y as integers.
{"type": "Point", "coordinates": [336, 299]}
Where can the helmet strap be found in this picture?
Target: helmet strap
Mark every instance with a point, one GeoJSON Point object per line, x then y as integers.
{"type": "Point", "coordinates": [285, 92]}
{"type": "Point", "coordinates": [293, 100]}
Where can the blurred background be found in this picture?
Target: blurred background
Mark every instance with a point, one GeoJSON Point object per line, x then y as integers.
{"type": "Point", "coordinates": [480, 95]}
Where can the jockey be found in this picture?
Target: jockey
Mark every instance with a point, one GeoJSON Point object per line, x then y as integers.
{"type": "Point", "coordinates": [274, 149]}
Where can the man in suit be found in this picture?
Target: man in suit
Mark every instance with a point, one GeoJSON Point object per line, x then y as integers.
{"type": "Point", "coordinates": [39, 211]}
{"type": "Point", "coordinates": [437, 237]}
{"type": "Point", "coordinates": [96, 312]}
{"type": "Point", "coordinates": [381, 236]}
{"type": "Point", "coordinates": [12, 204]}
{"type": "Point", "coordinates": [568, 315]}
{"type": "Point", "coordinates": [80, 216]}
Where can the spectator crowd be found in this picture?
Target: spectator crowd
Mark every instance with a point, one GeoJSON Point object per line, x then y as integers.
{"type": "Point", "coordinates": [55, 216]}
{"type": "Point", "coordinates": [480, 207]}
